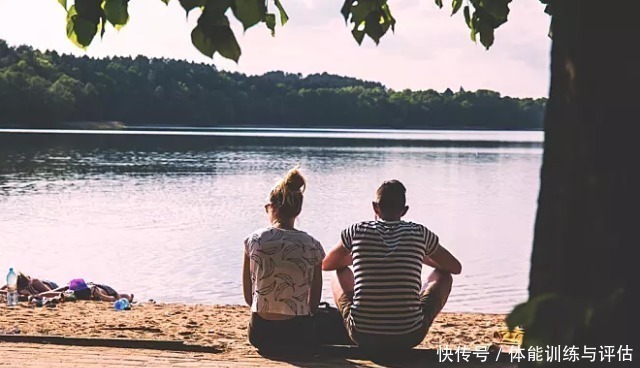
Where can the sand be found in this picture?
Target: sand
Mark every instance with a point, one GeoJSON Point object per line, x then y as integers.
{"type": "Point", "coordinates": [220, 326]}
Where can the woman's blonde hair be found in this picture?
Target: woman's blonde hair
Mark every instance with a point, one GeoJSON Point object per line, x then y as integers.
{"type": "Point", "coordinates": [286, 197]}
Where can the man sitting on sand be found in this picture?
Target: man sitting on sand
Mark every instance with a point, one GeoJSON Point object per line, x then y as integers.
{"type": "Point", "coordinates": [383, 302]}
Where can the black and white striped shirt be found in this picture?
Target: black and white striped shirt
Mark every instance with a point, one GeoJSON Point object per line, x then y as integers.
{"type": "Point", "coordinates": [387, 264]}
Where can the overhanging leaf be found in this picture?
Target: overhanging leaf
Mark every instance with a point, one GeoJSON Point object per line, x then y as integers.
{"type": "Point", "coordinates": [373, 28]}
{"type": "Point", "coordinates": [346, 9]}
{"type": "Point", "coordinates": [499, 9]}
{"type": "Point", "coordinates": [102, 26]}
{"type": "Point", "coordinates": [79, 30]}
{"type": "Point", "coordinates": [249, 12]}
{"type": "Point", "coordinates": [201, 42]}
{"type": "Point", "coordinates": [284, 18]}
{"type": "Point", "coordinates": [456, 6]}
{"type": "Point", "coordinates": [63, 3]}
{"type": "Point", "coordinates": [369, 17]}
{"type": "Point", "coordinates": [388, 17]}
{"type": "Point", "coordinates": [487, 36]}
{"type": "Point", "coordinates": [116, 12]}
{"type": "Point", "coordinates": [439, 3]}
{"type": "Point", "coordinates": [467, 16]}
{"type": "Point", "coordinates": [362, 9]}
{"type": "Point", "coordinates": [189, 5]}
{"type": "Point", "coordinates": [90, 10]}
{"type": "Point", "coordinates": [270, 21]}
{"type": "Point", "coordinates": [358, 35]}
{"type": "Point", "coordinates": [473, 25]}
{"type": "Point", "coordinates": [71, 34]}
{"type": "Point", "coordinates": [166, 2]}
{"type": "Point", "coordinates": [213, 34]}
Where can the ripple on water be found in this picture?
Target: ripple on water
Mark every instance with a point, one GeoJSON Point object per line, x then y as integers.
{"type": "Point", "coordinates": [169, 225]}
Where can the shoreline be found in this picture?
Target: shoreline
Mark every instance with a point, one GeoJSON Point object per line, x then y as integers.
{"type": "Point", "coordinates": [269, 137]}
{"type": "Point", "coordinates": [220, 326]}
{"type": "Point", "coordinates": [118, 125]}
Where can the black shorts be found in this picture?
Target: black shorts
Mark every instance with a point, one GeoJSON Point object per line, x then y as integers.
{"type": "Point", "coordinates": [82, 294]}
{"type": "Point", "coordinates": [431, 305]}
{"type": "Point", "coordinates": [107, 289]}
{"type": "Point", "coordinates": [289, 336]}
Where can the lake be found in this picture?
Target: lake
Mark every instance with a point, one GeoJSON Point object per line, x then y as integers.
{"type": "Point", "coordinates": [163, 214]}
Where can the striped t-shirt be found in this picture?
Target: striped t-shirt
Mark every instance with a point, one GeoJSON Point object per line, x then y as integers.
{"type": "Point", "coordinates": [387, 265]}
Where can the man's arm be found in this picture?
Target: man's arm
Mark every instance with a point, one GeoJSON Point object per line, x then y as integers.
{"type": "Point", "coordinates": [338, 257]}
{"type": "Point", "coordinates": [442, 260]}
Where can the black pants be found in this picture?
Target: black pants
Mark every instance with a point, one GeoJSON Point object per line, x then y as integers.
{"type": "Point", "coordinates": [295, 335]}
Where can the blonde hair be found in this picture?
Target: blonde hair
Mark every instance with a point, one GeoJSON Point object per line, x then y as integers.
{"type": "Point", "coordinates": [287, 195]}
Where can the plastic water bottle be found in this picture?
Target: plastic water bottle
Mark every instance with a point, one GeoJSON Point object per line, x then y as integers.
{"type": "Point", "coordinates": [12, 288]}
{"type": "Point", "coordinates": [121, 304]}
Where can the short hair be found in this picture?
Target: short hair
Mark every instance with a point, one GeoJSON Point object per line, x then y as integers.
{"type": "Point", "coordinates": [390, 196]}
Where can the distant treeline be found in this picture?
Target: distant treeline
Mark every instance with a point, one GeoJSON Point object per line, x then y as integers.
{"type": "Point", "coordinates": [45, 89]}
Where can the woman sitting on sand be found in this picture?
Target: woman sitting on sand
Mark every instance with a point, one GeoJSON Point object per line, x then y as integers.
{"type": "Point", "coordinates": [282, 276]}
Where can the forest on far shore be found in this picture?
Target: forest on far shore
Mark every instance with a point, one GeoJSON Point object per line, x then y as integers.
{"type": "Point", "coordinates": [46, 89]}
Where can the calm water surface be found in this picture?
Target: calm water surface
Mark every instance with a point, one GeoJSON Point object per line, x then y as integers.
{"type": "Point", "coordinates": [167, 222]}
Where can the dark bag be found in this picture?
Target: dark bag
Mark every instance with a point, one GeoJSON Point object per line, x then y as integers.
{"type": "Point", "coordinates": [329, 326]}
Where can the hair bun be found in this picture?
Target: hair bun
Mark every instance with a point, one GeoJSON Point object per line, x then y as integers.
{"type": "Point", "coordinates": [294, 181]}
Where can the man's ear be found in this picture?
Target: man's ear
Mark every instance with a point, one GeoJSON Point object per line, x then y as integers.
{"type": "Point", "coordinates": [404, 211]}
{"type": "Point", "coordinates": [376, 208]}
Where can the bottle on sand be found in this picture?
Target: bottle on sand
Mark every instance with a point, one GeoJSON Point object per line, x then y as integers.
{"type": "Point", "coordinates": [12, 288]}
{"type": "Point", "coordinates": [121, 304]}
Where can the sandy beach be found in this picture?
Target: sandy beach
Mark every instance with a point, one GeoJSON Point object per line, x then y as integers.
{"type": "Point", "coordinates": [219, 326]}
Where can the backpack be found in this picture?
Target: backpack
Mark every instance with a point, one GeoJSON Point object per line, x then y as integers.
{"type": "Point", "coordinates": [329, 326]}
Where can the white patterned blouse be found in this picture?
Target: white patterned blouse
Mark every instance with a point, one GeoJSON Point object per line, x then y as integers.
{"type": "Point", "coordinates": [282, 265]}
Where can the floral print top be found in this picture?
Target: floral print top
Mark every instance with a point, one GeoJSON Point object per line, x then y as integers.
{"type": "Point", "coordinates": [282, 263]}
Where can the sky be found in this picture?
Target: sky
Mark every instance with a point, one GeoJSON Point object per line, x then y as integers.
{"type": "Point", "coordinates": [429, 49]}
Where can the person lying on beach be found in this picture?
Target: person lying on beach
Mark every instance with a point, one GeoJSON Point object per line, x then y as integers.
{"type": "Point", "coordinates": [282, 275]}
{"type": "Point", "coordinates": [28, 286]}
{"type": "Point", "coordinates": [87, 291]}
{"type": "Point", "coordinates": [382, 302]}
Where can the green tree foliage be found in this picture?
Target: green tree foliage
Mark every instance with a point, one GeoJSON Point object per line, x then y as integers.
{"type": "Point", "coordinates": [41, 89]}
{"type": "Point", "coordinates": [213, 33]}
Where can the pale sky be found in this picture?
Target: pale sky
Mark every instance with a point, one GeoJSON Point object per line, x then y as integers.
{"type": "Point", "coordinates": [429, 49]}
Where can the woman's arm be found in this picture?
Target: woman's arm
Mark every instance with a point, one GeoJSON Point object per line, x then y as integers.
{"type": "Point", "coordinates": [247, 285]}
{"type": "Point", "coordinates": [338, 257]}
{"type": "Point", "coordinates": [316, 289]}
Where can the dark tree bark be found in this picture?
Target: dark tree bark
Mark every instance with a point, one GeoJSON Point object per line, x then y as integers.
{"type": "Point", "coordinates": [586, 242]}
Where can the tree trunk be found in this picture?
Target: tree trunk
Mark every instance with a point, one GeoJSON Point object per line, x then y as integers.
{"type": "Point", "coordinates": [586, 237]}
